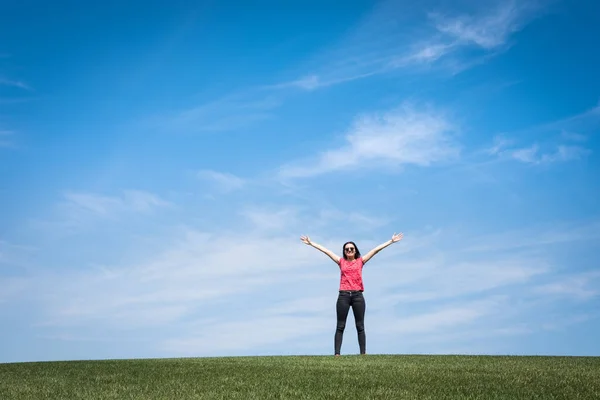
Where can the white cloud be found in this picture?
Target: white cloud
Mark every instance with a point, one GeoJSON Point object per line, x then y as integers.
{"type": "Point", "coordinates": [312, 82]}
{"type": "Point", "coordinates": [79, 211]}
{"type": "Point", "coordinates": [538, 154]}
{"type": "Point", "coordinates": [382, 42]}
{"type": "Point", "coordinates": [11, 288]}
{"type": "Point", "coordinates": [328, 215]}
{"type": "Point", "coordinates": [225, 181]}
{"type": "Point", "coordinates": [97, 204]}
{"type": "Point", "coordinates": [533, 155]}
{"type": "Point", "coordinates": [573, 136]}
{"type": "Point", "coordinates": [247, 335]}
{"type": "Point", "coordinates": [399, 137]}
{"type": "Point", "coordinates": [548, 234]}
{"type": "Point", "coordinates": [309, 82]}
{"type": "Point", "coordinates": [194, 269]}
{"type": "Point", "coordinates": [277, 327]}
{"type": "Point", "coordinates": [271, 219]}
{"type": "Point", "coordinates": [489, 30]}
{"type": "Point", "coordinates": [108, 206]}
{"type": "Point", "coordinates": [500, 143]}
{"type": "Point", "coordinates": [6, 138]}
{"type": "Point", "coordinates": [13, 254]}
{"type": "Point", "coordinates": [584, 122]}
{"type": "Point", "coordinates": [424, 53]}
{"type": "Point", "coordinates": [556, 141]}
{"type": "Point", "coordinates": [582, 286]}
{"type": "Point", "coordinates": [443, 318]}
{"type": "Point", "coordinates": [314, 305]}
{"type": "Point", "coordinates": [567, 153]}
{"type": "Point", "coordinates": [13, 83]}
{"type": "Point", "coordinates": [526, 155]}
{"type": "Point", "coordinates": [140, 201]}
{"type": "Point", "coordinates": [196, 283]}
{"type": "Point", "coordinates": [448, 279]}
{"type": "Point", "coordinates": [567, 322]}
{"type": "Point", "coordinates": [235, 111]}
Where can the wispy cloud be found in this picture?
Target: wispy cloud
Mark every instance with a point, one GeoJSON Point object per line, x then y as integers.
{"type": "Point", "coordinates": [379, 45]}
{"type": "Point", "coordinates": [107, 206]}
{"type": "Point", "coordinates": [315, 312]}
{"type": "Point", "coordinates": [403, 136]}
{"type": "Point", "coordinates": [462, 278]}
{"type": "Point", "coordinates": [312, 82]}
{"type": "Point", "coordinates": [562, 153]}
{"type": "Point", "coordinates": [583, 121]}
{"type": "Point", "coordinates": [447, 317]}
{"type": "Point", "coordinates": [187, 283]}
{"type": "Point", "coordinates": [6, 138]}
{"type": "Point", "coordinates": [526, 155]}
{"type": "Point", "coordinates": [557, 141]}
{"type": "Point", "coordinates": [275, 219]}
{"type": "Point", "coordinates": [236, 111]}
{"type": "Point", "coordinates": [164, 287]}
{"type": "Point", "coordinates": [269, 219]}
{"type": "Point", "coordinates": [573, 136]}
{"type": "Point", "coordinates": [449, 299]}
{"type": "Point", "coordinates": [13, 83]}
{"type": "Point", "coordinates": [11, 287]}
{"type": "Point", "coordinates": [355, 217]}
{"type": "Point", "coordinates": [574, 127]}
{"type": "Point", "coordinates": [489, 30]}
{"type": "Point", "coordinates": [546, 235]}
{"type": "Point", "coordinates": [13, 254]}
{"type": "Point", "coordinates": [376, 46]}
{"type": "Point", "coordinates": [14, 100]}
{"type": "Point", "coordinates": [224, 181]}
{"type": "Point", "coordinates": [582, 286]}
{"type": "Point", "coordinates": [535, 155]}
{"type": "Point", "coordinates": [500, 143]}
{"type": "Point", "coordinates": [224, 336]}
{"type": "Point", "coordinates": [425, 53]}
{"type": "Point", "coordinates": [568, 322]}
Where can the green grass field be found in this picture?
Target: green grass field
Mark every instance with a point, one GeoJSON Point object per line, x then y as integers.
{"type": "Point", "coordinates": [310, 377]}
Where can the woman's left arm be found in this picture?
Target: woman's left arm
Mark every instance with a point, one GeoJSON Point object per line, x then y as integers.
{"type": "Point", "coordinates": [395, 238]}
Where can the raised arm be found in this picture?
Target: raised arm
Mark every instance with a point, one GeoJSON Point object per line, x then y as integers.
{"type": "Point", "coordinates": [395, 238]}
{"type": "Point", "coordinates": [331, 254]}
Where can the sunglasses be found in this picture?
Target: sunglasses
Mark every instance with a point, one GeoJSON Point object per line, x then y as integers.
{"type": "Point", "coordinates": [348, 249]}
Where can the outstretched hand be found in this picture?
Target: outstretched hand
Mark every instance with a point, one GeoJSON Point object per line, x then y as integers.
{"type": "Point", "coordinates": [397, 237]}
{"type": "Point", "coordinates": [305, 239]}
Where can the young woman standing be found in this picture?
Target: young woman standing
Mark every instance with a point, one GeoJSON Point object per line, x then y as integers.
{"type": "Point", "coordinates": [351, 287]}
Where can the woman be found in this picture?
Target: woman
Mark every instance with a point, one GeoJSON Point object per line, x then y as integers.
{"type": "Point", "coordinates": [351, 287]}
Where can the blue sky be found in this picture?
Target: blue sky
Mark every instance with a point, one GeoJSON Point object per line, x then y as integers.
{"type": "Point", "coordinates": [159, 163]}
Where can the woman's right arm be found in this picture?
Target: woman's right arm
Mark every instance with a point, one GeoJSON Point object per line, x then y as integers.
{"type": "Point", "coordinates": [331, 254]}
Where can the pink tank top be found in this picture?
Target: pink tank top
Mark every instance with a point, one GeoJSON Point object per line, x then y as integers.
{"type": "Point", "coordinates": [351, 274]}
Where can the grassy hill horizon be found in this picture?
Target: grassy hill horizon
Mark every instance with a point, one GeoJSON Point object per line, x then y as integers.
{"type": "Point", "coordinates": [374, 376]}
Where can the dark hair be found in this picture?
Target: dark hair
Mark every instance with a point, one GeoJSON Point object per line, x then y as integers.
{"type": "Point", "coordinates": [356, 252]}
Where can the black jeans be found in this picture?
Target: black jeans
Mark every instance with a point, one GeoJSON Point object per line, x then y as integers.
{"type": "Point", "coordinates": [356, 300]}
